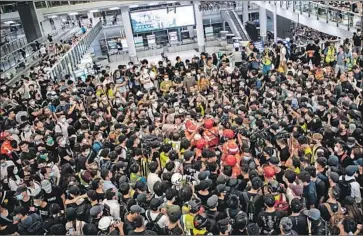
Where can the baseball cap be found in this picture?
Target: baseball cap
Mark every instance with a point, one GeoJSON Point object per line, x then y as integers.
{"type": "Point", "coordinates": [174, 212]}
{"type": "Point", "coordinates": [141, 186]}
{"type": "Point", "coordinates": [203, 175]}
{"type": "Point", "coordinates": [333, 160]}
{"type": "Point", "coordinates": [21, 189]}
{"type": "Point", "coordinates": [74, 190]}
{"type": "Point", "coordinates": [359, 162]}
{"type": "Point", "coordinates": [212, 202]}
{"type": "Point", "coordinates": [351, 169]}
{"type": "Point", "coordinates": [333, 176]}
{"type": "Point", "coordinates": [221, 188]}
{"type": "Point", "coordinates": [350, 142]}
{"type": "Point", "coordinates": [136, 209]}
{"type": "Point", "coordinates": [313, 213]}
{"type": "Point", "coordinates": [95, 210]}
{"type": "Point", "coordinates": [141, 198]}
{"type": "Point", "coordinates": [155, 203]}
{"type": "Point", "coordinates": [203, 185]}
{"type": "Point", "coordinates": [46, 186]}
{"type": "Point", "coordinates": [273, 160]}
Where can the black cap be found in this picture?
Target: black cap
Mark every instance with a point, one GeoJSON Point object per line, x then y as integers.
{"type": "Point", "coordinates": [155, 203]}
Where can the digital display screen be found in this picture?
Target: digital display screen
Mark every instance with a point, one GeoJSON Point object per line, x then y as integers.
{"type": "Point", "coordinates": [162, 18]}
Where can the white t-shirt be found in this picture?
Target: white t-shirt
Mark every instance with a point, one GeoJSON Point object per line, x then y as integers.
{"type": "Point", "coordinates": [163, 222]}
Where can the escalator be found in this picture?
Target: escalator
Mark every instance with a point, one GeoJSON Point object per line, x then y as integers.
{"type": "Point", "coordinates": [235, 24]}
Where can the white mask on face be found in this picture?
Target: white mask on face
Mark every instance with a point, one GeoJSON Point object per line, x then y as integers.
{"type": "Point", "coordinates": [63, 120]}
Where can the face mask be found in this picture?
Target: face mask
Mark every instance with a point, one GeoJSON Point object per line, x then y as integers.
{"type": "Point", "coordinates": [246, 158]}
{"type": "Point", "coordinates": [32, 103]}
{"type": "Point", "coordinates": [19, 197]}
{"type": "Point", "coordinates": [27, 129]}
{"type": "Point", "coordinates": [336, 149]}
{"type": "Point", "coordinates": [36, 204]}
{"type": "Point", "coordinates": [15, 171]}
{"type": "Point", "coordinates": [63, 120]}
{"type": "Point", "coordinates": [3, 164]}
{"type": "Point", "coordinates": [63, 142]}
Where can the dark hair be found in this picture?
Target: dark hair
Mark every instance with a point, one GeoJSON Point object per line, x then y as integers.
{"type": "Point", "coordinates": [90, 229]}
{"type": "Point", "coordinates": [124, 188]}
{"type": "Point", "coordinates": [305, 177]}
{"type": "Point", "coordinates": [153, 166]}
{"type": "Point", "coordinates": [290, 176]}
{"type": "Point", "coordinates": [296, 205]}
{"type": "Point", "coordinates": [170, 194]}
{"type": "Point", "coordinates": [109, 194]}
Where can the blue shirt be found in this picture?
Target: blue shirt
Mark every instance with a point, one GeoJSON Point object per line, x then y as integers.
{"type": "Point", "coordinates": [107, 185]}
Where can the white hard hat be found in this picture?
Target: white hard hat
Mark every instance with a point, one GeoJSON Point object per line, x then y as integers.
{"type": "Point", "coordinates": [105, 222]}
{"type": "Point", "coordinates": [176, 178]}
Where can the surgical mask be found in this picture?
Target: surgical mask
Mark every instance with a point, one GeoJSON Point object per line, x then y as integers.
{"type": "Point", "coordinates": [63, 142]}
{"type": "Point", "coordinates": [27, 128]}
{"type": "Point", "coordinates": [15, 171]}
{"type": "Point", "coordinates": [19, 197]}
{"type": "Point", "coordinates": [246, 158]}
{"type": "Point", "coordinates": [3, 164]}
{"type": "Point", "coordinates": [36, 204]}
{"type": "Point", "coordinates": [32, 103]}
{"type": "Point", "coordinates": [336, 149]}
{"type": "Point", "coordinates": [63, 120]}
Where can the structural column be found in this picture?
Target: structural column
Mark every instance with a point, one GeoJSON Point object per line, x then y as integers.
{"type": "Point", "coordinates": [245, 12]}
{"type": "Point", "coordinates": [128, 32]}
{"type": "Point", "coordinates": [199, 26]}
{"type": "Point", "coordinates": [29, 20]}
{"type": "Point", "coordinates": [263, 23]}
{"type": "Point", "coordinates": [275, 24]}
{"type": "Point", "coordinates": [90, 17]}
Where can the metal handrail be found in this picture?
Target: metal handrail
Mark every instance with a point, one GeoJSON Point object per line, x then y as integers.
{"type": "Point", "coordinates": [74, 55]}
{"type": "Point", "coordinates": [35, 56]}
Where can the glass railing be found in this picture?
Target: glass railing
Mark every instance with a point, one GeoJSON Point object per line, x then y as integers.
{"type": "Point", "coordinates": [68, 63]}
{"type": "Point", "coordinates": [328, 13]}
{"type": "Point", "coordinates": [13, 45]}
{"type": "Point", "coordinates": [11, 67]}
{"type": "Point", "coordinates": [28, 51]}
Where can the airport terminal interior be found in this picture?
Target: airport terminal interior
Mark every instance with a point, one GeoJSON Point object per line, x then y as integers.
{"type": "Point", "coordinates": [181, 117]}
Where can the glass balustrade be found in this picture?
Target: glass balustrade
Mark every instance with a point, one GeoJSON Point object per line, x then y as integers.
{"type": "Point", "coordinates": [68, 63]}
{"type": "Point", "coordinates": [341, 17]}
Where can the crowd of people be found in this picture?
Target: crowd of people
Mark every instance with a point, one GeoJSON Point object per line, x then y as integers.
{"type": "Point", "coordinates": [201, 146]}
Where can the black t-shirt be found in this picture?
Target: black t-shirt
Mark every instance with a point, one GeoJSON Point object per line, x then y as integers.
{"type": "Point", "coordinates": [145, 232]}
{"type": "Point", "coordinates": [28, 155]}
{"type": "Point", "coordinates": [203, 198]}
{"type": "Point", "coordinates": [55, 196]}
{"type": "Point", "coordinates": [128, 226]}
{"type": "Point", "coordinates": [9, 230]}
{"type": "Point", "coordinates": [325, 212]}
{"type": "Point", "coordinates": [43, 211]}
{"type": "Point", "coordinates": [300, 224]}
{"type": "Point", "coordinates": [269, 222]}
{"type": "Point", "coordinates": [174, 231]}
{"type": "Point", "coordinates": [284, 154]}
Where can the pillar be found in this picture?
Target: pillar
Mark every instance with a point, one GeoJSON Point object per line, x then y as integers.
{"type": "Point", "coordinates": [91, 16]}
{"type": "Point", "coordinates": [29, 20]}
{"type": "Point", "coordinates": [263, 23]}
{"type": "Point", "coordinates": [245, 12]}
{"type": "Point", "coordinates": [199, 26]}
{"type": "Point", "coordinates": [275, 24]}
{"type": "Point", "coordinates": [125, 16]}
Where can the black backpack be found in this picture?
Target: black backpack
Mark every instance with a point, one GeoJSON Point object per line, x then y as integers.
{"type": "Point", "coordinates": [36, 228]}
{"type": "Point", "coordinates": [345, 188]}
{"type": "Point", "coordinates": [153, 224]}
{"type": "Point", "coordinates": [250, 207]}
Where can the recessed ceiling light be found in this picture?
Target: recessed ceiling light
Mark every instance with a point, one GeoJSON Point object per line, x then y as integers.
{"type": "Point", "coordinates": [73, 13]}
{"type": "Point", "coordinates": [114, 8]}
{"type": "Point", "coordinates": [92, 11]}
{"type": "Point", "coordinates": [9, 22]}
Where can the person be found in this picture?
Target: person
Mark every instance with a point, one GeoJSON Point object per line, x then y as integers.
{"type": "Point", "coordinates": [26, 222]}
{"type": "Point", "coordinates": [140, 227]}
{"type": "Point", "coordinates": [205, 145]}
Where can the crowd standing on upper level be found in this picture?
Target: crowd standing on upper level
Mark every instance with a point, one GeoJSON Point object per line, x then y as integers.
{"type": "Point", "coordinates": [267, 144]}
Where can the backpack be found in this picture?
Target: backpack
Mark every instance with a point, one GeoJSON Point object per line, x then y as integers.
{"type": "Point", "coordinates": [83, 212]}
{"type": "Point", "coordinates": [36, 228]}
{"type": "Point", "coordinates": [282, 204]}
{"type": "Point", "coordinates": [345, 188]}
{"type": "Point", "coordinates": [250, 207]}
{"type": "Point", "coordinates": [153, 224]}
{"type": "Point", "coordinates": [335, 217]}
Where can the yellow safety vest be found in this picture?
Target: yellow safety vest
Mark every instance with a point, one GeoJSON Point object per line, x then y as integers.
{"type": "Point", "coordinates": [330, 55]}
